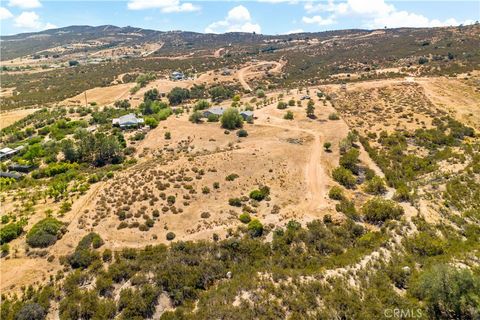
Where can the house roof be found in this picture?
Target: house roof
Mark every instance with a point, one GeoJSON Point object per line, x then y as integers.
{"type": "Point", "coordinates": [128, 119]}
{"type": "Point", "coordinates": [247, 113]}
{"type": "Point", "coordinates": [10, 175]}
{"type": "Point", "coordinates": [7, 150]}
{"type": "Point", "coordinates": [217, 111]}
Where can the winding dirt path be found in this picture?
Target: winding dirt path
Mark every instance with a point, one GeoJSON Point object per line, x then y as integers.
{"type": "Point", "coordinates": [316, 178]}
{"type": "Point", "coordinates": [245, 72]}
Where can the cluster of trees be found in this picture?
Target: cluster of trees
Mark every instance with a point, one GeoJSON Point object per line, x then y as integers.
{"type": "Point", "coordinates": [217, 93]}
{"type": "Point", "coordinates": [45, 233]}
{"type": "Point", "coordinates": [97, 149]}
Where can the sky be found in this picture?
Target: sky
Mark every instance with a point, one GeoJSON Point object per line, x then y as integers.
{"type": "Point", "coordinates": [260, 16]}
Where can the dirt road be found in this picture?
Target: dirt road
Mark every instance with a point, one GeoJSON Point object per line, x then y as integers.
{"type": "Point", "coordinates": [246, 71]}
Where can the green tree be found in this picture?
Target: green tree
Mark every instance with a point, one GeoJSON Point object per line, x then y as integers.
{"type": "Point", "coordinates": [201, 105]}
{"type": "Point", "coordinates": [196, 117]}
{"type": "Point", "coordinates": [288, 115]}
{"type": "Point", "coordinates": [449, 292]}
{"type": "Point", "coordinates": [178, 95]}
{"type": "Point", "coordinates": [231, 119]}
{"type": "Point", "coordinates": [151, 95]}
{"type": "Point", "coordinates": [310, 109]}
{"type": "Point", "coordinates": [378, 210]}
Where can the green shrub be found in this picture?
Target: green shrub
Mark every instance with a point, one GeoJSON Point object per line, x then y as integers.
{"type": "Point", "coordinates": [344, 177]}
{"type": "Point", "coordinates": [196, 117]}
{"type": "Point", "coordinates": [349, 160]}
{"type": "Point", "coordinates": [201, 105]}
{"type": "Point", "coordinates": [10, 231]}
{"type": "Point", "coordinates": [170, 236]}
{"type": "Point", "coordinates": [402, 193]}
{"type": "Point", "coordinates": [231, 177]}
{"type": "Point", "coordinates": [448, 292]}
{"type": "Point", "coordinates": [375, 186]}
{"type": "Point", "coordinates": [235, 202]}
{"type": "Point", "coordinates": [348, 208]}
{"type": "Point", "coordinates": [336, 193]}
{"type": "Point", "coordinates": [242, 133]}
{"type": "Point", "coordinates": [231, 119]}
{"type": "Point", "coordinates": [213, 118]}
{"type": "Point", "coordinates": [260, 194]}
{"type": "Point", "coordinates": [255, 228]}
{"type": "Point", "coordinates": [288, 115]}
{"type": "Point", "coordinates": [282, 105]}
{"type": "Point", "coordinates": [426, 244]}
{"type": "Point", "coordinates": [244, 218]}
{"type": "Point", "coordinates": [378, 210]}
{"type": "Point", "coordinates": [44, 233]}
{"type": "Point", "coordinates": [333, 116]}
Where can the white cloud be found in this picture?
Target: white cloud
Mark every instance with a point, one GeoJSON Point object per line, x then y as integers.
{"type": "Point", "coordinates": [318, 20]}
{"type": "Point", "coordinates": [238, 19]}
{"type": "Point", "coordinates": [31, 20]}
{"type": "Point", "coordinates": [25, 4]}
{"type": "Point", "coordinates": [166, 6]}
{"type": "Point", "coordinates": [280, 1]}
{"type": "Point", "coordinates": [374, 14]}
{"type": "Point", "coordinates": [5, 14]}
{"type": "Point", "coordinates": [295, 31]}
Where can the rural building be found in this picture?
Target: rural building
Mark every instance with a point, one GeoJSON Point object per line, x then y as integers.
{"type": "Point", "coordinates": [177, 75]}
{"type": "Point", "coordinates": [226, 72]}
{"type": "Point", "coordinates": [246, 114]}
{"type": "Point", "coordinates": [215, 111]}
{"type": "Point", "coordinates": [21, 167]}
{"type": "Point", "coordinates": [13, 175]}
{"type": "Point", "coordinates": [9, 152]}
{"type": "Point", "coordinates": [127, 121]}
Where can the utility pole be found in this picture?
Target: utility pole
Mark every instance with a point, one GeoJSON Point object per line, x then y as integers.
{"type": "Point", "coordinates": [86, 104]}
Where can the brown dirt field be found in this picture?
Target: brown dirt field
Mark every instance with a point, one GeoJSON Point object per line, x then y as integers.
{"type": "Point", "coordinates": [102, 95]}
{"type": "Point", "coordinates": [285, 155]}
{"type": "Point", "coordinates": [456, 96]}
{"type": "Point", "coordinates": [10, 117]}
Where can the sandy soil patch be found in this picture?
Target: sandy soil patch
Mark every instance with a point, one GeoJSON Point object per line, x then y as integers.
{"type": "Point", "coordinates": [10, 117]}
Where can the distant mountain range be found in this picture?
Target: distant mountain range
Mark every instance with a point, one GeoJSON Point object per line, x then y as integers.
{"type": "Point", "coordinates": [30, 43]}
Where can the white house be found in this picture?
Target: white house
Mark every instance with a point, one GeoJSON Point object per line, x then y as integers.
{"type": "Point", "coordinates": [127, 121]}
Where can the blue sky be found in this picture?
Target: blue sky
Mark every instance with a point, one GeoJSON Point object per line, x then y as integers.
{"type": "Point", "coordinates": [261, 16]}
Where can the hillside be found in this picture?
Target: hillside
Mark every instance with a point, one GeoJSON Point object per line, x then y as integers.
{"type": "Point", "coordinates": [180, 175]}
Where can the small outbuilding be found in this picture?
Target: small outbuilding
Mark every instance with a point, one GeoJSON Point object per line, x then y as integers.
{"type": "Point", "coordinates": [13, 175]}
{"type": "Point", "coordinates": [246, 114]}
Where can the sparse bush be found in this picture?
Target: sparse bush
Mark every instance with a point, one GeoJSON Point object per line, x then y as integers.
{"type": "Point", "coordinates": [375, 186]}
{"type": "Point", "coordinates": [288, 115]}
{"type": "Point", "coordinates": [170, 236]}
{"type": "Point", "coordinates": [255, 228]}
{"type": "Point", "coordinates": [242, 133]}
{"type": "Point", "coordinates": [336, 193]}
{"type": "Point", "coordinates": [244, 218]}
{"type": "Point", "coordinates": [235, 202]}
{"type": "Point", "coordinates": [333, 116]}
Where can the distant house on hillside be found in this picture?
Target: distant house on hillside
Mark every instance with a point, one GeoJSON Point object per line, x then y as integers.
{"type": "Point", "coordinates": [246, 114]}
{"type": "Point", "coordinates": [21, 167]}
{"type": "Point", "coordinates": [128, 121]}
{"type": "Point", "coordinates": [177, 75]}
{"type": "Point", "coordinates": [214, 111]}
{"type": "Point", "coordinates": [12, 175]}
{"type": "Point", "coordinates": [9, 152]}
